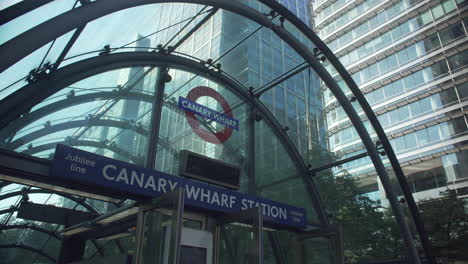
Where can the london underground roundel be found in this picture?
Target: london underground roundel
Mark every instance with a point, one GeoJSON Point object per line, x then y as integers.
{"type": "Point", "coordinates": [193, 109]}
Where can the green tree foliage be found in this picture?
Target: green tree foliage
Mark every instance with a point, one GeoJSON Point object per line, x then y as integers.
{"type": "Point", "coordinates": [446, 222]}
{"type": "Point", "coordinates": [369, 230]}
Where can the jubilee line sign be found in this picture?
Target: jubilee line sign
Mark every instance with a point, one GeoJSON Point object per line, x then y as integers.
{"type": "Point", "coordinates": [85, 167]}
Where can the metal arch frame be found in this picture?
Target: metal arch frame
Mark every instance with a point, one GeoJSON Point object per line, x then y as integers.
{"type": "Point", "coordinates": [73, 124]}
{"type": "Point", "coordinates": [357, 93]}
{"type": "Point", "coordinates": [35, 228]}
{"type": "Point", "coordinates": [97, 144]}
{"type": "Point", "coordinates": [9, 210]}
{"type": "Point", "coordinates": [19, 9]}
{"type": "Point", "coordinates": [32, 191]}
{"type": "Point", "coordinates": [42, 34]}
{"type": "Point", "coordinates": [87, 143]}
{"type": "Point", "coordinates": [70, 101]}
{"type": "Point", "coordinates": [92, 66]}
{"type": "Point", "coordinates": [4, 183]}
{"type": "Point", "coordinates": [33, 249]}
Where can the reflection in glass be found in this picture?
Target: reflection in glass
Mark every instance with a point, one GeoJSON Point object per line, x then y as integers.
{"type": "Point", "coordinates": [108, 114]}
{"type": "Point", "coordinates": [207, 138]}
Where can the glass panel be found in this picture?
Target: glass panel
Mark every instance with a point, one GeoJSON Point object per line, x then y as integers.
{"type": "Point", "coordinates": [26, 235]}
{"type": "Point", "coordinates": [236, 244]}
{"type": "Point", "coordinates": [108, 114]}
{"type": "Point", "coordinates": [90, 250]}
{"type": "Point", "coordinates": [276, 174]}
{"type": "Point", "coordinates": [6, 4]}
{"type": "Point", "coordinates": [237, 46]}
{"type": "Point", "coordinates": [16, 76]}
{"type": "Point", "coordinates": [318, 250]}
{"type": "Point", "coordinates": [181, 130]}
{"type": "Point", "coordinates": [154, 232]}
{"type": "Point", "coordinates": [449, 6]}
{"type": "Point", "coordinates": [13, 78]}
{"type": "Point", "coordinates": [17, 255]}
{"type": "Point", "coordinates": [288, 245]}
{"type": "Point", "coordinates": [144, 26]}
{"type": "Point", "coordinates": [57, 48]}
{"type": "Point", "coordinates": [33, 18]}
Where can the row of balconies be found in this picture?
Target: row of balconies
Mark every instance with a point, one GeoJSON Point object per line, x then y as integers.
{"type": "Point", "coordinates": [370, 13]}
{"type": "Point", "coordinates": [404, 99]}
{"type": "Point", "coordinates": [407, 69]}
{"type": "Point", "coordinates": [445, 147]}
{"type": "Point", "coordinates": [410, 126]}
{"type": "Point", "coordinates": [400, 44]}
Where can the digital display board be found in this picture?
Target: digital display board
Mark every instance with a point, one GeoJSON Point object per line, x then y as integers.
{"type": "Point", "coordinates": [206, 169]}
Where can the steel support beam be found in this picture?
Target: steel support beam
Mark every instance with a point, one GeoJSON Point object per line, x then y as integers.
{"type": "Point", "coordinates": [9, 210]}
{"type": "Point", "coordinates": [103, 110]}
{"type": "Point", "coordinates": [46, 130]}
{"type": "Point", "coordinates": [371, 116]}
{"type": "Point", "coordinates": [163, 77]}
{"type": "Point", "coordinates": [24, 44]}
{"type": "Point", "coordinates": [67, 48]}
{"type": "Point", "coordinates": [81, 123]}
{"type": "Point", "coordinates": [261, 90]}
{"type": "Point", "coordinates": [35, 228]}
{"type": "Point", "coordinates": [361, 130]}
{"type": "Point", "coordinates": [17, 116]}
{"type": "Point", "coordinates": [192, 30]}
{"type": "Point", "coordinates": [32, 249]}
{"type": "Point", "coordinates": [4, 184]}
{"type": "Point", "coordinates": [19, 9]}
{"type": "Point", "coordinates": [32, 191]}
{"type": "Point", "coordinates": [251, 150]}
{"type": "Point", "coordinates": [338, 163]}
{"type": "Point", "coordinates": [278, 251]}
{"type": "Point", "coordinates": [88, 143]}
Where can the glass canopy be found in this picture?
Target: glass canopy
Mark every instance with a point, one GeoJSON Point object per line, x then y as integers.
{"type": "Point", "coordinates": [107, 78]}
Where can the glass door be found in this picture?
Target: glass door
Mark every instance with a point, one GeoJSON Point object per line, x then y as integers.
{"type": "Point", "coordinates": [239, 238]}
{"type": "Point", "coordinates": [162, 239]}
{"type": "Point", "coordinates": [159, 234]}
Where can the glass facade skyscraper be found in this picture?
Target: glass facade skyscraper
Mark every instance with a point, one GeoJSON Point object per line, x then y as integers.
{"type": "Point", "coordinates": [410, 59]}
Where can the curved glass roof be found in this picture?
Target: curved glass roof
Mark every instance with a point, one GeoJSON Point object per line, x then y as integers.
{"type": "Point", "coordinates": [106, 78]}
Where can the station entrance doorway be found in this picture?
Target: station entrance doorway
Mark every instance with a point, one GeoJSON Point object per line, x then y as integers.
{"type": "Point", "coordinates": [165, 231]}
{"type": "Point", "coordinates": [167, 234]}
{"type": "Point", "coordinates": [181, 221]}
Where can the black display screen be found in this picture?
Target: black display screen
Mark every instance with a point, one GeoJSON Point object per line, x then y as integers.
{"type": "Point", "coordinates": [209, 170]}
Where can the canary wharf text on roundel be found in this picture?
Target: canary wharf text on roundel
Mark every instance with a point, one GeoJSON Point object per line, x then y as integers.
{"type": "Point", "coordinates": [224, 118]}
{"type": "Point", "coordinates": [208, 113]}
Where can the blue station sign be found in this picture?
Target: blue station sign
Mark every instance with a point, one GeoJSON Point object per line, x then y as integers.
{"type": "Point", "coordinates": [208, 113]}
{"type": "Point", "coordinates": [81, 166]}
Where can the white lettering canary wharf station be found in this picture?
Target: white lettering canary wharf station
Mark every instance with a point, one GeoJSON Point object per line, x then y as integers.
{"type": "Point", "coordinates": [112, 173]}
{"type": "Point", "coordinates": [90, 168]}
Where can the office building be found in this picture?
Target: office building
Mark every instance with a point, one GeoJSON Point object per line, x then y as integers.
{"type": "Point", "coordinates": [410, 60]}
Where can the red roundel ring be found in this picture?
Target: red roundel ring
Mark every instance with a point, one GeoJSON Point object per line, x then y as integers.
{"type": "Point", "coordinates": [218, 137]}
